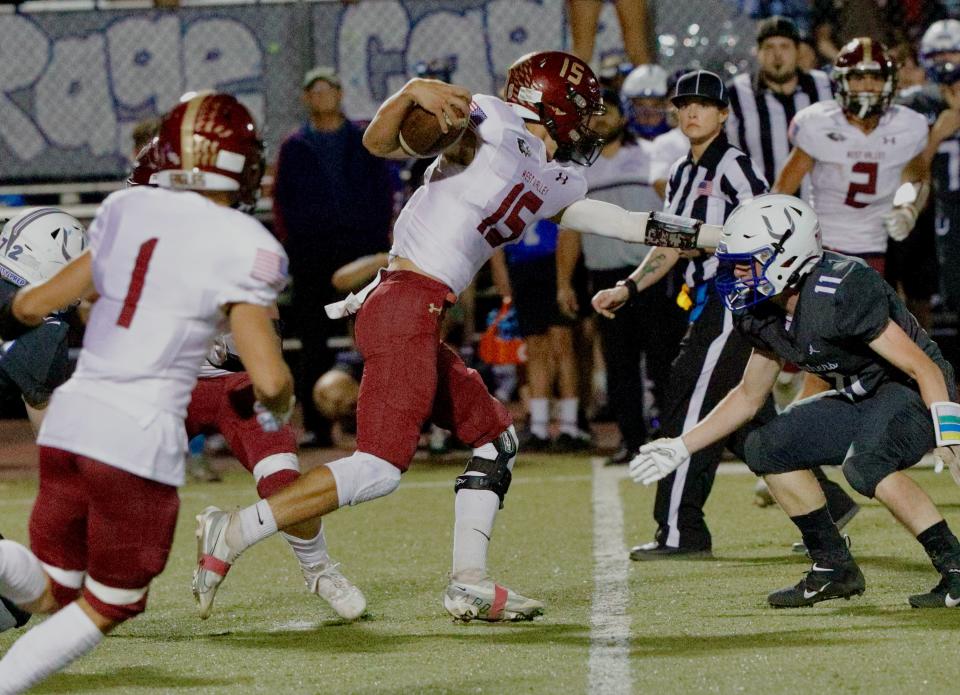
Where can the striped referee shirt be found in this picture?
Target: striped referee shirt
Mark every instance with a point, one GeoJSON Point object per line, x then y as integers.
{"type": "Point", "coordinates": [709, 190]}
{"type": "Point", "coordinates": [759, 117]}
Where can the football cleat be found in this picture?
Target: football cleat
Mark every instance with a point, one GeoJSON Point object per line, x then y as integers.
{"type": "Point", "coordinates": [328, 582]}
{"type": "Point", "coordinates": [214, 557]}
{"type": "Point", "coordinates": [821, 583]}
{"type": "Point", "coordinates": [654, 551]}
{"type": "Point", "coordinates": [487, 600]}
{"type": "Point", "coordinates": [946, 594]}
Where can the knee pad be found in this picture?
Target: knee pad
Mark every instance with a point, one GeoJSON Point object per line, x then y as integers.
{"type": "Point", "coordinates": [490, 466]}
{"type": "Point", "coordinates": [363, 477]}
{"type": "Point", "coordinates": [860, 477]}
{"type": "Point", "coordinates": [755, 454]}
{"type": "Point", "coordinates": [113, 603]}
{"type": "Point", "coordinates": [275, 472]}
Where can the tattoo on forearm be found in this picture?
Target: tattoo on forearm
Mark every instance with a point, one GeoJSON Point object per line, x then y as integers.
{"type": "Point", "coordinates": [652, 266]}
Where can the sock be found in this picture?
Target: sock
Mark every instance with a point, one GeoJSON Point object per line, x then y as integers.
{"type": "Point", "coordinates": [939, 542]}
{"type": "Point", "coordinates": [540, 417]}
{"type": "Point", "coordinates": [250, 525]}
{"type": "Point", "coordinates": [568, 416]}
{"type": "Point", "coordinates": [47, 648]}
{"type": "Point", "coordinates": [310, 552]}
{"type": "Point", "coordinates": [474, 511]}
{"type": "Point", "coordinates": [21, 574]}
{"type": "Point", "coordinates": [821, 536]}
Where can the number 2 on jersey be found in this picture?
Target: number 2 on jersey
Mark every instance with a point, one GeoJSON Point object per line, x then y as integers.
{"type": "Point", "coordinates": [516, 224]}
{"type": "Point", "coordinates": [868, 188]}
{"type": "Point", "coordinates": [136, 282]}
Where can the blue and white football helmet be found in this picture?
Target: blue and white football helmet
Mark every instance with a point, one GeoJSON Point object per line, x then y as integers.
{"type": "Point", "coordinates": [941, 38]}
{"type": "Point", "coordinates": [778, 236]}
{"type": "Point", "coordinates": [35, 244]}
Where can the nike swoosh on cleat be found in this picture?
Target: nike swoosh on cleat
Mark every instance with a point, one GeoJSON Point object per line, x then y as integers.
{"type": "Point", "coordinates": [482, 533]}
{"type": "Point", "coordinates": [950, 601]}
{"type": "Point", "coordinates": [258, 516]}
{"type": "Point", "coordinates": [811, 594]}
{"type": "Point", "coordinates": [817, 568]}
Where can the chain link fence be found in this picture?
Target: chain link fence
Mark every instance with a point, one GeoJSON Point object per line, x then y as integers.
{"type": "Point", "coordinates": [73, 84]}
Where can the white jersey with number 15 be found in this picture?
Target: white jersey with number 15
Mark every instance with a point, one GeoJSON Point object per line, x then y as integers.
{"type": "Point", "coordinates": [856, 174]}
{"type": "Point", "coordinates": [453, 223]}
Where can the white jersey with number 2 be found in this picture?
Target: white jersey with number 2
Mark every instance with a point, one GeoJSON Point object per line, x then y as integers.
{"type": "Point", "coordinates": [453, 223]}
{"type": "Point", "coordinates": [856, 174]}
{"type": "Point", "coordinates": [165, 265]}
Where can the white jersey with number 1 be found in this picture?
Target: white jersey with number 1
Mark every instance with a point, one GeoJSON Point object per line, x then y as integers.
{"type": "Point", "coordinates": [165, 265]}
{"type": "Point", "coordinates": [453, 223]}
{"type": "Point", "coordinates": [856, 174]}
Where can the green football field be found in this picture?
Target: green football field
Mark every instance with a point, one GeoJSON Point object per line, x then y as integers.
{"type": "Point", "coordinates": [687, 627]}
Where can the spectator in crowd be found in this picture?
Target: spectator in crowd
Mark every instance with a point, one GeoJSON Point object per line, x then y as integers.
{"type": "Point", "coordinates": [623, 175]}
{"type": "Point", "coordinates": [614, 68]}
{"type": "Point", "coordinates": [333, 204]}
{"type": "Point", "coordinates": [836, 22]}
{"type": "Point", "coordinates": [532, 270]}
{"type": "Point", "coordinates": [635, 27]}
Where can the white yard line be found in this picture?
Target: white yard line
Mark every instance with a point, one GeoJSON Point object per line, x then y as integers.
{"type": "Point", "coordinates": [609, 664]}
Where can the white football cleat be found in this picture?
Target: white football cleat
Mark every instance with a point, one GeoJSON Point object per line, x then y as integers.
{"type": "Point", "coordinates": [328, 582]}
{"type": "Point", "coordinates": [214, 557]}
{"type": "Point", "coordinates": [487, 600]}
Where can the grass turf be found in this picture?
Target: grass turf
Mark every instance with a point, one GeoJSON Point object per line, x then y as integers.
{"type": "Point", "coordinates": [697, 626]}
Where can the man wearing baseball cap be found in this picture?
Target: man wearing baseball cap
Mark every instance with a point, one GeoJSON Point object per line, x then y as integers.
{"type": "Point", "coordinates": [323, 169]}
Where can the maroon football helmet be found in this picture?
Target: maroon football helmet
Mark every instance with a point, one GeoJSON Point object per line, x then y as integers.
{"type": "Point", "coordinates": [144, 166]}
{"type": "Point", "coordinates": [209, 142]}
{"type": "Point", "coordinates": [863, 56]}
{"type": "Point", "coordinates": [560, 91]}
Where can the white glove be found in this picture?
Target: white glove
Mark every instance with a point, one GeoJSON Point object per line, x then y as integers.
{"type": "Point", "coordinates": [658, 459]}
{"type": "Point", "coordinates": [271, 421]}
{"type": "Point", "coordinates": [898, 223]}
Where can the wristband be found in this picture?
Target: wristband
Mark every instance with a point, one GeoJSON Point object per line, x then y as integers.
{"type": "Point", "coordinates": [631, 286]}
{"type": "Point", "coordinates": [946, 422]}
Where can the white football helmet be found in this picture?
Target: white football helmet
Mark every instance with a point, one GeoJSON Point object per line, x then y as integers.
{"type": "Point", "coordinates": [940, 38]}
{"type": "Point", "coordinates": [35, 244]}
{"type": "Point", "coordinates": [778, 236]}
{"type": "Point", "coordinates": [645, 81]}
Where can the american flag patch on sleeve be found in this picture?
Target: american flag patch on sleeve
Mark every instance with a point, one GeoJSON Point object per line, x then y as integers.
{"type": "Point", "coordinates": [269, 267]}
{"type": "Point", "coordinates": [705, 188]}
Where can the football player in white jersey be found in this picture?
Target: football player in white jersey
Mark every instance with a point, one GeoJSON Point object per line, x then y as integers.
{"type": "Point", "coordinates": [169, 267]}
{"type": "Point", "coordinates": [514, 166]}
{"type": "Point", "coordinates": [859, 149]}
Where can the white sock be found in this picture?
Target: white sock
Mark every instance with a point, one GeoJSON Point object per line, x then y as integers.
{"type": "Point", "coordinates": [475, 512]}
{"type": "Point", "coordinates": [250, 525]}
{"type": "Point", "coordinates": [21, 574]}
{"type": "Point", "coordinates": [568, 416]}
{"type": "Point", "coordinates": [45, 649]}
{"type": "Point", "coordinates": [540, 417]}
{"type": "Point", "coordinates": [310, 552]}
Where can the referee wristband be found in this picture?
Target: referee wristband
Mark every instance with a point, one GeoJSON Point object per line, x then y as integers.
{"type": "Point", "coordinates": [946, 422]}
{"type": "Point", "coordinates": [631, 286]}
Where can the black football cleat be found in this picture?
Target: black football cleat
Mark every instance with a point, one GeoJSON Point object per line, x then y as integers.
{"type": "Point", "coordinates": [946, 594]}
{"type": "Point", "coordinates": [822, 582]}
{"type": "Point", "coordinates": [654, 551]}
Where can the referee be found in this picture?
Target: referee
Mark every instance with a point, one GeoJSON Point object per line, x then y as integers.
{"type": "Point", "coordinates": [762, 106]}
{"type": "Point", "coordinates": [707, 184]}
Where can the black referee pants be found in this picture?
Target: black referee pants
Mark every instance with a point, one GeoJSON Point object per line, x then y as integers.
{"type": "Point", "coordinates": [710, 363]}
{"type": "Point", "coordinates": [651, 325]}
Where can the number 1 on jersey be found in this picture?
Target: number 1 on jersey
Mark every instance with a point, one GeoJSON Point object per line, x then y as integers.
{"type": "Point", "coordinates": [136, 282]}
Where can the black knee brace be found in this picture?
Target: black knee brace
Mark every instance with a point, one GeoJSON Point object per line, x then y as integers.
{"type": "Point", "coordinates": [494, 473]}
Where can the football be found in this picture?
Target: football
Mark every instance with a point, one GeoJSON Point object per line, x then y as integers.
{"type": "Point", "coordinates": [421, 136]}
